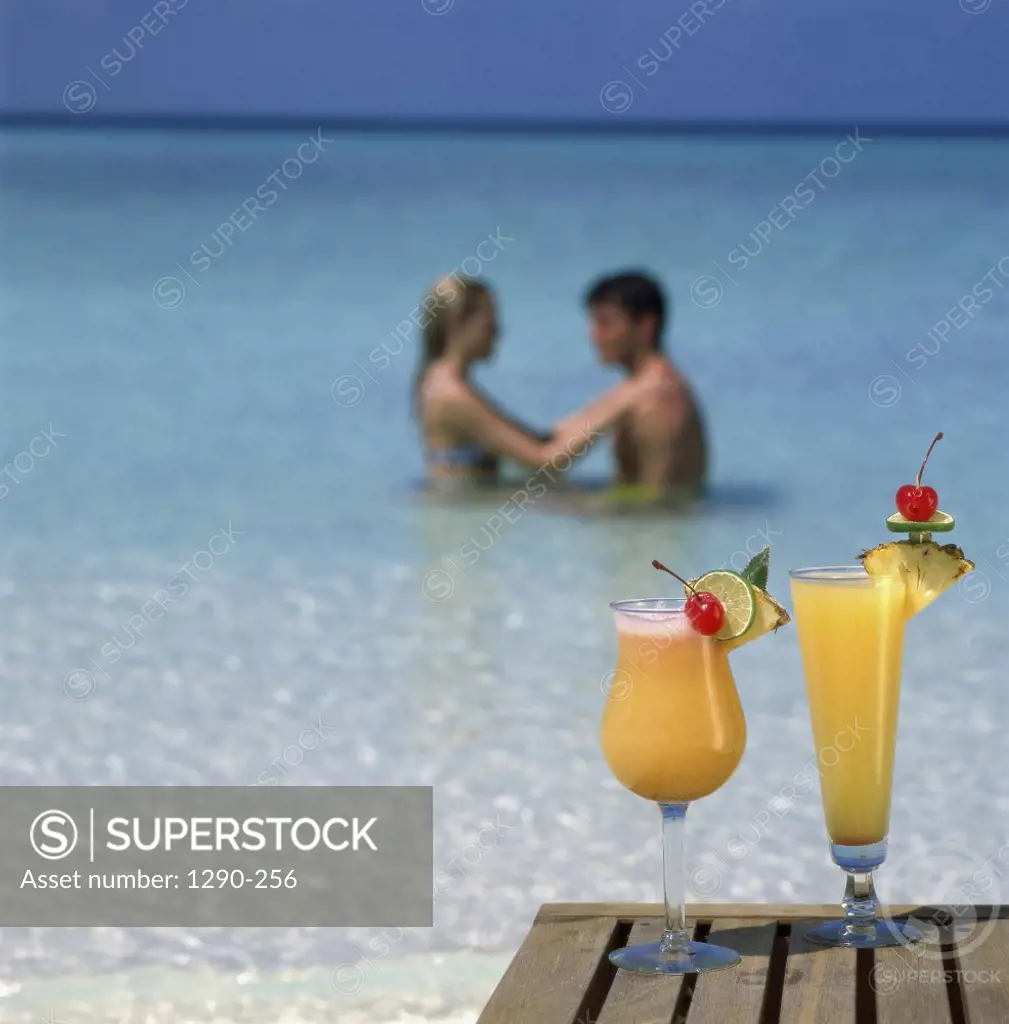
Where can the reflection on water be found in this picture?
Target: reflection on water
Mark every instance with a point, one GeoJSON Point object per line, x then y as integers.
{"type": "Point", "coordinates": [448, 641]}
{"type": "Point", "coordinates": [597, 498]}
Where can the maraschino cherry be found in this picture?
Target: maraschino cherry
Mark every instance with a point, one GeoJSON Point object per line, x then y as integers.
{"type": "Point", "coordinates": [914, 502]}
{"type": "Point", "coordinates": [703, 610]}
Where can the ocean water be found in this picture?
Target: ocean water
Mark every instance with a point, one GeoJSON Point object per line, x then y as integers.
{"type": "Point", "coordinates": [185, 385]}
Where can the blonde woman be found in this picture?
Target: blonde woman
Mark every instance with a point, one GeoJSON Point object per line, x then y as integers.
{"type": "Point", "coordinates": [465, 434]}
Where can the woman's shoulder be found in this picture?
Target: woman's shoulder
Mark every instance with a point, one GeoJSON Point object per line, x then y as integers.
{"type": "Point", "coordinates": [444, 398]}
{"type": "Point", "coordinates": [440, 386]}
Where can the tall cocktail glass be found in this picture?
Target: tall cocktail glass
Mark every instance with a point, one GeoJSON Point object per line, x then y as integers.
{"type": "Point", "coordinates": [851, 635]}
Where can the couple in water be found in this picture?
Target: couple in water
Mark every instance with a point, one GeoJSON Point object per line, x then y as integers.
{"type": "Point", "coordinates": [656, 426]}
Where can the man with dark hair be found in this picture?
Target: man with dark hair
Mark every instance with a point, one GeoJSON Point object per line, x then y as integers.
{"type": "Point", "coordinates": [660, 443]}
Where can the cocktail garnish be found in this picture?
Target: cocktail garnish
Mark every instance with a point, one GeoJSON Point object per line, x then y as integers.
{"type": "Point", "coordinates": [758, 567]}
{"type": "Point", "coordinates": [748, 611]}
{"type": "Point", "coordinates": [915, 503]}
{"type": "Point", "coordinates": [703, 610]}
{"type": "Point", "coordinates": [941, 522]}
{"type": "Point", "coordinates": [925, 568]}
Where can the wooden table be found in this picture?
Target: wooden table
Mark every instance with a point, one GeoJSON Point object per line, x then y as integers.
{"type": "Point", "coordinates": [561, 973]}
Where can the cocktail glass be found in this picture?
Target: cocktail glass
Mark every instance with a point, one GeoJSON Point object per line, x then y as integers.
{"type": "Point", "coordinates": [851, 635]}
{"type": "Point", "coordinates": [673, 732]}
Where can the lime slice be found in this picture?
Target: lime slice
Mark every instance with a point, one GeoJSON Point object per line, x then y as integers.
{"type": "Point", "coordinates": [941, 522]}
{"type": "Point", "coordinates": [737, 599]}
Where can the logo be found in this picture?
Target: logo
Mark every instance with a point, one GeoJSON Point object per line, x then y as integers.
{"type": "Point", "coordinates": [79, 684]}
{"type": "Point", "coordinates": [617, 685]}
{"type": "Point", "coordinates": [79, 97]}
{"type": "Point", "coordinates": [437, 585]}
{"type": "Point", "coordinates": [169, 292]}
{"type": "Point", "coordinates": [964, 880]}
{"type": "Point", "coordinates": [616, 96]}
{"type": "Point", "coordinates": [347, 390]}
{"type": "Point", "coordinates": [884, 390]}
{"type": "Point", "coordinates": [706, 291]}
{"type": "Point", "coordinates": [974, 587]}
{"type": "Point", "coordinates": [53, 835]}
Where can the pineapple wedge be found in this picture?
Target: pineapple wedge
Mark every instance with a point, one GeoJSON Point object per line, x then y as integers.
{"type": "Point", "coordinates": [769, 616]}
{"type": "Point", "coordinates": [928, 569]}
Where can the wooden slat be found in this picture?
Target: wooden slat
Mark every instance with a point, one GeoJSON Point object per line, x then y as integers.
{"type": "Point", "coordinates": [561, 974]}
{"type": "Point", "coordinates": [819, 982]}
{"type": "Point", "coordinates": [695, 911]}
{"type": "Point", "coordinates": [983, 961]}
{"type": "Point", "coordinates": [711, 911]}
{"type": "Point", "coordinates": [910, 984]}
{"type": "Point", "coordinates": [552, 972]}
{"type": "Point", "coordinates": [735, 995]}
{"type": "Point", "coordinates": [640, 998]}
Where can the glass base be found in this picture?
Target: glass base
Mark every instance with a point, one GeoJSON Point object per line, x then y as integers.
{"type": "Point", "coordinates": [650, 958]}
{"type": "Point", "coordinates": [871, 935]}
{"type": "Point", "coordinates": [858, 858]}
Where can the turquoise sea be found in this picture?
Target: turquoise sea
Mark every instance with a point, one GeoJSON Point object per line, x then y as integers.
{"type": "Point", "coordinates": [183, 380]}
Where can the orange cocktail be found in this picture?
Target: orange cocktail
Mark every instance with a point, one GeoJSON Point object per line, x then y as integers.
{"type": "Point", "coordinates": [673, 730]}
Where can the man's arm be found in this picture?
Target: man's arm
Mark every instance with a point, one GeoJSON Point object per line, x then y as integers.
{"type": "Point", "coordinates": [478, 419]}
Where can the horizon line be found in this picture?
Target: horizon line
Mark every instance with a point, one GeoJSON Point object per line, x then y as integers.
{"type": "Point", "coordinates": [506, 126]}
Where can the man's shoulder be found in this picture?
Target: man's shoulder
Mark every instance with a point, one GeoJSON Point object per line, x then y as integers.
{"type": "Point", "coordinates": [667, 411]}
{"type": "Point", "coordinates": [670, 394]}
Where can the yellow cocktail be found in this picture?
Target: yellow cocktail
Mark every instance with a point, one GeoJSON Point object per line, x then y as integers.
{"type": "Point", "coordinates": [673, 730]}
{"type": "Point", "coordinates": [851, 634]}
{"type": "Point", "coordinates": [851, 622]}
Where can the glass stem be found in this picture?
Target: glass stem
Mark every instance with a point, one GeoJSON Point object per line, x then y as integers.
{"type": "Point", "coordinates": [860, 903]}
{"type": "Point", "coordinates": [675, 939]}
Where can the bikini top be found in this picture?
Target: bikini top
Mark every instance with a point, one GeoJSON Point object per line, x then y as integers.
{"type": "Point", "coordinates": [462, 456]}
{"type": "Point", "coordinates": [467, 455]}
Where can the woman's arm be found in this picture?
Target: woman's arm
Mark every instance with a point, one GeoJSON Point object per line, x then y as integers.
{"type": "Point", "coordinates": [573, 436]}
{"type": "Point", "coordinates": [541, 436]}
